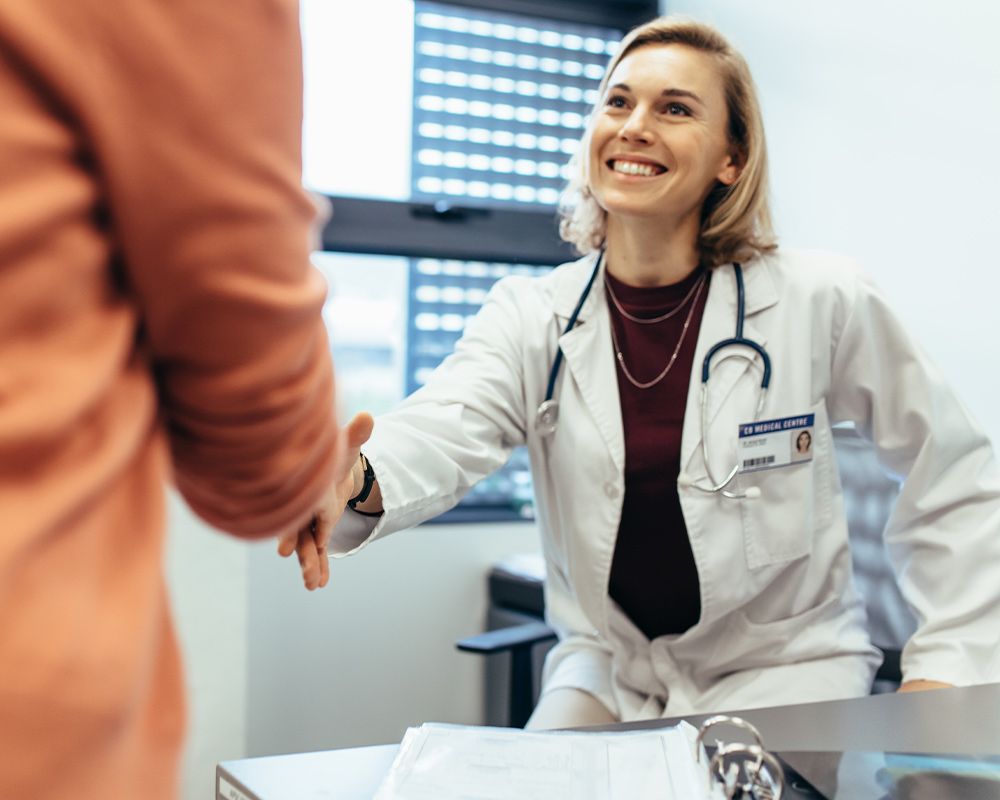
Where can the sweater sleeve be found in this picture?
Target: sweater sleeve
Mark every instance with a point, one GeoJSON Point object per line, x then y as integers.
{"type": "Point", "coordinates": [189, 113]}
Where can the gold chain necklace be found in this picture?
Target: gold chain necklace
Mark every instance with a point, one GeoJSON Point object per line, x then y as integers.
{"type": "Point", "coordinates": [662, 317]}
{"type": "Point", "coordinates": [673, 357]}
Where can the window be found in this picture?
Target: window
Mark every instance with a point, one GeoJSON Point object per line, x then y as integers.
{"type": "Point", "coordinates": [499, 102]}
{"type": "Point", "coordinates": [442, 133]}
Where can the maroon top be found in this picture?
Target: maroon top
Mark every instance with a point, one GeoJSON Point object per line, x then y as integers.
{"type": "Point", "coordinates": [653, 575]}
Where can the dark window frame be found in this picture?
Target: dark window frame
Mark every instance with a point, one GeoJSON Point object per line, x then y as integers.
{"type": "Point", "coordinates": [624, 14]}
{"type": "Point", "coordinates": [445, 230]}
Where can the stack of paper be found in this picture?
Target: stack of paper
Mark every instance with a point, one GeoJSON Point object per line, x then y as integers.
{"type": "Point", "coordinates": [439, 762]}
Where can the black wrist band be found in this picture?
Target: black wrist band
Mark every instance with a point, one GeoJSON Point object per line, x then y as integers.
{"type": "Point", "coordinates": [366, 488]}
{"type": "Point", "coordinates": [367, 513]}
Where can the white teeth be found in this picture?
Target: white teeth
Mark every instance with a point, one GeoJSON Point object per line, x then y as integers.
{"type": "Point", "coordinates": [634, 168]}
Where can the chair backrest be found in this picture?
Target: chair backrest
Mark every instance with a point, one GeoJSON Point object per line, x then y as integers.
{"type": "Point", "coordinates": [869, 497]}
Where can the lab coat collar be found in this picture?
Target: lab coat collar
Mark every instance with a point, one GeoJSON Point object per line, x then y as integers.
{"type": "Point", "coordinates": [587, 349]}
{"type": "Point", "coordinates": [570, 283]}
{"type": "Point", "coordinates": [718, 323]}
{"type": "Point", "coordinates": [761, 291]}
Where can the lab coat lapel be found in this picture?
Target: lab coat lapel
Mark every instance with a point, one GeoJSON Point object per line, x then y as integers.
{"type": "Point", "coordinates": [719, 323]}
{"type": "Point", "coordinates": [588, 353]}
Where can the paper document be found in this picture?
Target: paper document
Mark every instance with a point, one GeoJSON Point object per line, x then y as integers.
{"type": "Point", "coordinates": [443, 762]}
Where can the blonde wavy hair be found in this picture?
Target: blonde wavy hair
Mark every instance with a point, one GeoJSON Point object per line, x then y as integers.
{"type": "Point", "coordinates": [735, 219]}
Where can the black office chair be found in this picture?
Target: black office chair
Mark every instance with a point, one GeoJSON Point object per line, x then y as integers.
{"type": "Point", "coordinates": [520, 642]}
{"type": "Point", "coordinates": [869, 495]}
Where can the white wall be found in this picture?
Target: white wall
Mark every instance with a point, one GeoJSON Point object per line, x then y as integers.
{"type": "Point", "coordinates": [373, 652]}
{"type": "Point", "coordinates": [883, 121]}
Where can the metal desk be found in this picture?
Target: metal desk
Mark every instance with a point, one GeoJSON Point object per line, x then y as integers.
{"type": "Point", "coordinates": [965, 720]}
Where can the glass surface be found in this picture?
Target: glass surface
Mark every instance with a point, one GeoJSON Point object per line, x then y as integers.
{"type": "Point", "coordinates": [858, 775]}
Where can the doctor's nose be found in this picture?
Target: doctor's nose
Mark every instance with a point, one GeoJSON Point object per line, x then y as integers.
{"type": "Point", "coordinates": [635, 128]}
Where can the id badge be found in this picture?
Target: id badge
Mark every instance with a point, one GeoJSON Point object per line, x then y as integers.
{"type": "Point", "coordinates": [771, 443]}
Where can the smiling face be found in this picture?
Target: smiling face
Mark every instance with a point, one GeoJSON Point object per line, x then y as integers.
{"type": "Point", "coordinates": [659, 141]}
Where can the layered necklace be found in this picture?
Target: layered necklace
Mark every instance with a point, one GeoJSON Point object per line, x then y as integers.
{"type": "Point", "coordinates": [691, 298]}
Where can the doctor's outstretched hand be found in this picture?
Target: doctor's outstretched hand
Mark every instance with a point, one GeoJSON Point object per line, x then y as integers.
{"type": "Point", "coordinates": [310, 542]}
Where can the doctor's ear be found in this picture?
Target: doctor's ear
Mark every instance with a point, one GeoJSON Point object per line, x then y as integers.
{"type": "Point", "coordinates": [732, 170]}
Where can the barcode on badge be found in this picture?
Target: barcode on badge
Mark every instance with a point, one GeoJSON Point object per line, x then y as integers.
{"type": "Point", "coordinates": [749, 463]}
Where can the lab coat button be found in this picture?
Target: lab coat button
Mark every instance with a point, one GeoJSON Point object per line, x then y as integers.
{"type": "Point", "coordinates": [611, 491]}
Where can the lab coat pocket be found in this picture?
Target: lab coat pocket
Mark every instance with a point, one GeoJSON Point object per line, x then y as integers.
{"type": "Point", "coordinates": [765, 637]}
{"type": "Point", "coordinates": [795, 502]}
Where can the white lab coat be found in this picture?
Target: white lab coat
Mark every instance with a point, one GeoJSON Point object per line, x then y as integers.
{"type": "Point", "coordinates": [780, 619]}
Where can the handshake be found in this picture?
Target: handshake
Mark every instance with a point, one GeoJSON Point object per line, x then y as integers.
{"type": "Point", "coordinates": [311, 540]}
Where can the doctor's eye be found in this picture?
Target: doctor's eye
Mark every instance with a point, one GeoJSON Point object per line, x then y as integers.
{"type": "Point", "coordinates": [678, 110]}
{"type": "Point", "coordinates": [616, 101]}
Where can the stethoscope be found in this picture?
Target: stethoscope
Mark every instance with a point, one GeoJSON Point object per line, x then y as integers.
{"type": "Point", "coordinates": [547, 415]}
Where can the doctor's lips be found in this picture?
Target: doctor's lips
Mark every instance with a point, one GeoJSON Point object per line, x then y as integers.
{"type": "Point", "coordinates": [636, 166]}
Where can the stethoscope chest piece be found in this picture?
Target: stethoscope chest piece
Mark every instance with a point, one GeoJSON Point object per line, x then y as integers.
{"type": "Point", "coordinates": [547, 417]}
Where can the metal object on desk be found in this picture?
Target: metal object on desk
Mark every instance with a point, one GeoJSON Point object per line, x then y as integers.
{"type": "Point", "coordinates": [745, 771]}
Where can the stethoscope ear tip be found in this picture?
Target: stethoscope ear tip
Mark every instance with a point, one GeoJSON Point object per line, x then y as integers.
{"type": "Point", "coordinates": [752, 493]}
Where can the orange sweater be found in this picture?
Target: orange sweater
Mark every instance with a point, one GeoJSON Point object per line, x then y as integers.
{"type": "Point", "coordinates": [157, 316]}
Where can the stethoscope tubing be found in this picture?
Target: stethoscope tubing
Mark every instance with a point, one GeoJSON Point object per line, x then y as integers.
{"type": "Point", "coordinates": [739, 339]}
{"type": "Point", "coordinates": [550, 389]}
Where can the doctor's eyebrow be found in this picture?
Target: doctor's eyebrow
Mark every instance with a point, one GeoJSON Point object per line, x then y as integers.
{"type": "Point", "coordinates": [672, 91]}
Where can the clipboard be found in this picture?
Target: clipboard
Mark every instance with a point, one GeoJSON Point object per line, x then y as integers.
{"type": "Point", "coordinates": [440, 761]}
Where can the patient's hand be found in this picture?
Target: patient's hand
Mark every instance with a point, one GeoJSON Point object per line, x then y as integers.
{"type": "Point", "coordinates": [922, 686]}
{"type": "Point", "coordinates": [310, 542]}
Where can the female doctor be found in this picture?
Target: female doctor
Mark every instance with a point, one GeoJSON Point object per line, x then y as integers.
{"type": "Point", "coordinates": [680, 576]}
